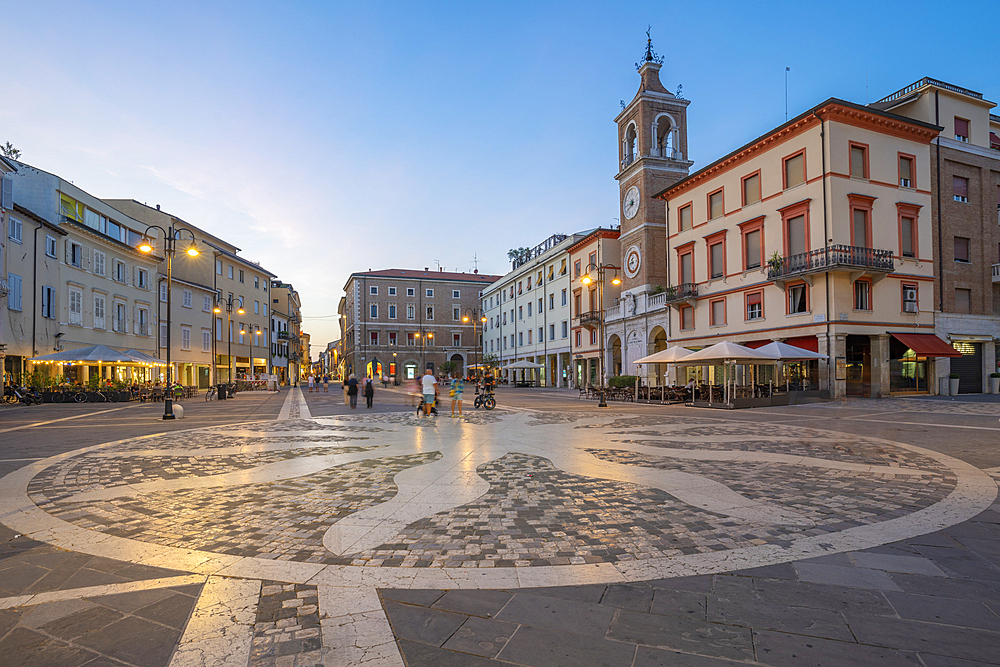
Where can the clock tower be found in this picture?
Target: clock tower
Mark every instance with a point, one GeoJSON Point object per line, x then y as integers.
{"type": "Point", "coordinates": [652, 154]}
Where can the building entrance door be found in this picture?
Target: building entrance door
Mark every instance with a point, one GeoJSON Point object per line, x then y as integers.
{"type": "Point", "coordinates": [969, 367]}
{"type": "Point", "coordinates": [859, 369]}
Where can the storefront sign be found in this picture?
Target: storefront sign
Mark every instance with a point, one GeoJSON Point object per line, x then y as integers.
{"type": "Point", "coordinates": [841, 368]}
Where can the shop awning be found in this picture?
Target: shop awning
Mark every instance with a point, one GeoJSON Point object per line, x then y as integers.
{"type": "Point", "coordinates": [926, 345]}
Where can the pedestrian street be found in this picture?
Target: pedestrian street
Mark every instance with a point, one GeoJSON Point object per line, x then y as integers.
{"type": "Point", "coordinates": [305, 532]}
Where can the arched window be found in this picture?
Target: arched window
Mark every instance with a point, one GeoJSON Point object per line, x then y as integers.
{"type": "Point", "coordinates": [664, 138]}
{"type": "Point", "coordinates": [630, 146]}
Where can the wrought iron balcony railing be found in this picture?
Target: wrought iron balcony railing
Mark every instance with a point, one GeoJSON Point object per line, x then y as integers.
{"type": "Point", "coordinates": [681, 292]}
{"type": "Point", "coordinates": [590, 319]}
{"type": "Point", "coordinates": [832, 258]}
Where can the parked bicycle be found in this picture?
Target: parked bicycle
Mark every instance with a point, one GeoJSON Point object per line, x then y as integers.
{"type": "Point", "coordinates": [26, 395]}
{"type": "Point", "coordinates": [65, 394]}
{"type": "Point", "coordinates": [105, 396]}
{"type": "Point", "coordinates": [486, 400]}
{"type": "Point", "coordinates": [211, 393]}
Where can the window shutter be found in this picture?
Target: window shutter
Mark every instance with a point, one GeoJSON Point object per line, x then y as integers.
{"type": "Point", "coordinates": [85, 257]}
{"type": "Point", "coordinates": [135, 319]}
{"type": "Point", "coordinates": [69, 252]}
{"type": "Point", "coordinates": [7, 194]}
{"type": "Point", "coordinates": [961, 186]}
{"type": "Point", "coordinates": [961, 127]}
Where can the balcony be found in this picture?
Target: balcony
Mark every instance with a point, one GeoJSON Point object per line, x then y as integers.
{"type": "Point", "coordinates": [684, 292]}
{"type": "Point", "coordinates": [834, 258]}
{"type": "Point", "coordinates": [591, 319]}
{"type": "Point", "coordinates": [284, 335]}
{"type": "Point", "coordinates": [996, 274]}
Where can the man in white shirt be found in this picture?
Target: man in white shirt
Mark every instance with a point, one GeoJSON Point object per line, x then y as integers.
{"type": "Point", "coordinates": [428, 388]}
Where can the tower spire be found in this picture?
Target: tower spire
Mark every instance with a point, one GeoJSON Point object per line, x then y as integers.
{"type": "Point", "coordinates": [650, 56]}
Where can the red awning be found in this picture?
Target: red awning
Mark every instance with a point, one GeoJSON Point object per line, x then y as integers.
{"type": "Point", "coordinates": [810, 343]}
{"type": "Point", "coordinates": [927, 345]}
{"type": "Point", "coordinates": [754, 344]}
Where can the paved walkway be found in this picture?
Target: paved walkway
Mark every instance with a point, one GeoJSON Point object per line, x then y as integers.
{"type": "Point", "coordinates": [544, 535]}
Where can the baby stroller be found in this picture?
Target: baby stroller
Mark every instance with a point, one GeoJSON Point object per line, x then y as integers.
{"type": "Point", "coordinates": [420, 408]}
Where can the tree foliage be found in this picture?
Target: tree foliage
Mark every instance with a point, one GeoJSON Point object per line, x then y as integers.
{"type": "Point", "coordinates": [515, 254]}
{"type": "Point", "coordinates": [9, 151]}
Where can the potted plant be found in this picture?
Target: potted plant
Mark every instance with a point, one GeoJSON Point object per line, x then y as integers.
{"type": "Point", "coordinates": [953, 384]}
{"type": "Point", "coordinates": [995, 383]}
{"type": "Point", "coordinates": [774, 264]}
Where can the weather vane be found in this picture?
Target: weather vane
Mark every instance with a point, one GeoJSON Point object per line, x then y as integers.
{"type": "Point", "coordinates": [650, 56]}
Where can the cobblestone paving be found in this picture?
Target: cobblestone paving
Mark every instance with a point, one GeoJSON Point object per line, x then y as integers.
{"type": "Point", "coordinates": [287, 629]}
{"type": "Point", "coordinates": [282, 520]}
{"type": "Point", "coordinates": [295, 425]}
{"type": "Point", "coordinates": [410, 418]}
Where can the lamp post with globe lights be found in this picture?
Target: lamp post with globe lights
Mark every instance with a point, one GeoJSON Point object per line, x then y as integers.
{"type": "Point", "coordinates": [170, 237]}
{"type": "Point", "coordinates": [476, 316]}
{"type": "Point", "coordinates": [587, 279]}
{"type": "Point", "coordinates": [229, 304]}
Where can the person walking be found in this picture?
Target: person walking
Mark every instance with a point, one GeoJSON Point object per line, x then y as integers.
{"type": "Point", "coordinates": [457, 387]}
{"type": "Point", "coordinates": [352, 390]}
{"type": "Point", "coordinates": [429, 383]}
{"type": "Point", "coordinates": [347, 400]}
{"type": "Point", "coordinates": [326, 384]}
{"type": "Point", "coordinates": [369, 391]}
{"type": "Point", "coordinates": [312, 382]}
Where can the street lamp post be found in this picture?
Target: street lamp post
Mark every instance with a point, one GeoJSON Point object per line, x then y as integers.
{"type": "Point", "coordinates": [252, 333]}
{"type": "Point", "coordinates": [170, 237]}
{"type": "Point", "coordinates": [229, 304]}
{"type": "Point", "coordinates": [587, 279]}
{"type": "Point", "coordinates": [476, 316]}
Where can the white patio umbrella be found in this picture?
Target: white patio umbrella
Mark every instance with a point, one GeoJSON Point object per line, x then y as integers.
{"type": "Point", "coordinates": [667, 356]}
{"type": "Point", "coordinates": [788, 352]}
{"type": "Point", "coordinates": [524, 364]}
{"type": "Point", "coordinates": [727, 354]}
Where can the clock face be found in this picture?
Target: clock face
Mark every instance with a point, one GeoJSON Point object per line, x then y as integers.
{"type": "Point", "coordinates": [630, 204]}
{"type": "Point", "coordinates": [633, 260]}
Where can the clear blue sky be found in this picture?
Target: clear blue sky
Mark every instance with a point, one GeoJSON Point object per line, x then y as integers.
{"type": "Point", "coordinates": [327, 137]}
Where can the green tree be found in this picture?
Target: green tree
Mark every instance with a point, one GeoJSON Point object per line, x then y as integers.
{"type": "Point", "coordinates": [448, 367]}
{"type": "Point", "coordinates": [9, 151]}
{"type": "Point", "coordinates": [490, 360]}
{"type": "Point", "coordinates": [517, 254]}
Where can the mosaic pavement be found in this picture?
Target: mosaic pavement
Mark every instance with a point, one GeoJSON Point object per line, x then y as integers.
{"type": "Point", "coordinates": [503, 499]}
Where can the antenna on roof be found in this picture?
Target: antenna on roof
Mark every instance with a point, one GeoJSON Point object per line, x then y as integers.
{"type": "Point", "coordinates": [475, 263]}
{"type": "Point", "coordinates": [438, 262]}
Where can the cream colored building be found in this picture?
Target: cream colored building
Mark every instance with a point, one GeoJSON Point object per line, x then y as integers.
{"type": "Point", "coordinates": [599, 248]}
{"type": "Point", "coordinates": [285, 302]}
{"type": "Point", "coordinates": [817, 233]}
{"type": "Point", "coordinates": [218, 272]}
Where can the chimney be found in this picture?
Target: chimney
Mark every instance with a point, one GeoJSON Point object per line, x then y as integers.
{"type": "Point", "coordinates": [157, 207]}
{"type": "Point", "coordinates": [427, 268]}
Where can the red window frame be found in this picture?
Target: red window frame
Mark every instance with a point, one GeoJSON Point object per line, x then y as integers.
{"type": "Point", "coordinates": [913, 170]}
{"type": "Point", "coordinates": [757, 224]}
{"type": "Point", "coordinates": [912, 211]}
{"type": "Point", "coordinates": [682, 311]}
{"type": "Point", "coordinates": [968, 129]}
{"type": "Point", "coordinates": [866, 174]}
{"type": "Point", "coordinates": [743, 189]}
{"type": "Point", "coordinates": [871, 295]}
{"type": "Point", "coordinates": [788, 213]}
{"type": "Point", "coordinates": [711, 241]}
{"type": "Point", "coordinates": [902, 302]}
{"type": "Point", "coordinates": [861, 203]}
{"type": "Point", "coordinates": [747, 296]}
{"type": "Point", "coordinates": [686, 249]}
{"type": "Point", "coordinates": [788, 303]}
{"type": "Point", "coordinates": [392, 339]}
{"type": "Point", "coordinates": [711, 312]}
{"type": "Point", "coordinates": [708, 203]}
{"type": "Point", "coordinates": [784, 168]}
{"type": "Point", "coordinates": [680, 217]}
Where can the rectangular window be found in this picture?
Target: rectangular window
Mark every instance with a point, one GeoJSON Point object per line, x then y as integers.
{"type": "Point", "coordinates": [684, 218]}
{"type": "Point", "coordinates": [429, 293]}
{"type": "Point", "coordinates": [410, 311]}
{"type": "Point", "coordinates": [14, 229]}
{"type": "Point", "coordinates": [373, 338]}
{"type": "Point", "coordinates": [687, 317]}
{"type": "Point", "coordinates": [963, 300]}
{"type": "Point", "coordinates": [910, 298]}
{"type": "Point", "coordinates": [716, 208]}
{"type": "Point", "coordinates": [755, 305]}
{"type": "Point", "coordinates": [796, 230]}
{"type": "Point", "coordinates": [98, 262]}
{"type": "Point", "coordinates": [218, 267]}
{"type": "Point", "coordinates": [860, 228]}
{"type": "Point", "coordinates": [163, 334]}
{"type": "Point", "coordinates": [751, 189]}
{"type": "Point", "coordinates": [529, 309]}
{"type": "Point", "coordinates": [795, 170]}
{"type": "Point", "coordinates": [859, 161]}
{"type": "Point", "coordinates": [579, 338]}
{"type": "Point", "coordinates": [392, 291]}
{"type": "Point", "coordinates": [256, 307]}
{"type": "Point", "coordinates": [961, 129]}
{"type": "Point", "coordinates": [576, 269]}
{"type": "Point", "coordinates": [14, 296]}
{"type": "Point", "coordinates": [98, 311]}
{"type": "Point", "coordinates": [907, 227]}
{"type": "Point", "coordinates": [392, 339]}
{"type": "Point", "coordinates": [565, 329]}
{"type": "Point", "coordinates": [552, 332]}
{"type": "Point", "coordinates": [520, 337]}
{"type": "Point", "coordinates": [520, 312]}
{"type": "Point", "coordinates": [187, 299]}
{"type": "Point", "coordinates": [593, 336]}
{"type": "Point", "coordinates": [411, 340]}
{"type": "Point", "coordinates": [206, 304]}
{"type": "Point", "coordinates": [76, 307]}
{"type": "Point", "coordinates": [552, 301]}
{"type": "Point", "coordinates": [456, 294]}
{"type": "Point", "coordinates": [50, 245]}
{"type": "Point", "coordinates": [48, 302]}
{"type": "Point", "coordinates": [797, 299]}
{"type": "Point", "coordinates": [717, 259]}
{"type": "Point", "coordinates": [120, 272]}
{"type": "Point", "coordinates": [142, 326]}
{"type": "Point", "coordinates": [456, 314]}
{"type": "Point", "coordinates": [564, 297]}
{"type": "Point", "coordinates": [241, 275]}
{"type": "Point", "coordinates": [960, 189]}
{"type": "Point", "coordinates": [143, 279]}
{"type": "Point", "coordinates": [862, 295]}
{"type": "Point", "coordinates": [410, 291]}
{"type": "Point", "coordinates": [373, 310]}
{"type": "Point", "coordinates": [456, 340]}
{"type": "Point", "coordinates": [373, 289]}
{"type": "Point", "coordinates": [961, 249]}
{"type": "Point", "coordinates": [185, 338]}
{"type": "Point", "coordinates": [392, 311]}
{"type": "Point", "coordinates": [206, 340]}
{"type": "Point", "coordinates": [906, 179]}
{"type": "Point", "coordinates": [430, 313]}
{"type": "Point", "coordinates": [256, 282]}
{"type": "Point", "coordinates": [687, 267]}
{"type": "Point", "coordinates": [230, 271]}
{"type": "Point", "coordinates": [75, 255]}
{"type": "Point", "coordinates": [718, 313]}
{"type": "Point", "coordinates": [752, 249]}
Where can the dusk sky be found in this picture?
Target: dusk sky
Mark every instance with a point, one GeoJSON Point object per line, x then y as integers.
{"type": "Point", "coordinates": [324, 138]}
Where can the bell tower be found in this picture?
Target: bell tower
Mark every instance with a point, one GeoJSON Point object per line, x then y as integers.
{"type": "Point", "coordinates": [652, 154]}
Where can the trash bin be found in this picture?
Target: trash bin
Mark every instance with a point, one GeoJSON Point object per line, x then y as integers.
{"type": "Point", "coordinates": [222, 392]}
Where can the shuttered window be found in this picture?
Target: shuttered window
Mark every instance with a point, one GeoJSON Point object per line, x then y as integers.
{"type": "Point", "coordinates": [795, 172]}
{"type": "Point", "coordinates": [797, 235]}
{"type": "Point", "coordinates": [905, 172]}
{"type": "Point", "coordinates": [960, 188]}
{"type": "Point", "coordinates": [685, 218]}
{"type": "Point", "coordinates": [76, 307]}
{"type": "Point", "coordinates": [752, 242]}
{"type": "Point", "coordinates": [906, 227]}
{"type": "Point", "coordinates": [961, 129]}
{"type": "Point", "coordinates": [715, 205]}
{"type": "Point", "coordinates": [751, 189]}
{"type": "Point", "coordinates": [718, 259]}
{"type": "Point", "coordinates": [859, 162]}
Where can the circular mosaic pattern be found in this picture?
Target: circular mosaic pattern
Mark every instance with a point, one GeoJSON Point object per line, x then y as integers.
{"type": "Point", "coordinates": [505, 490]}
